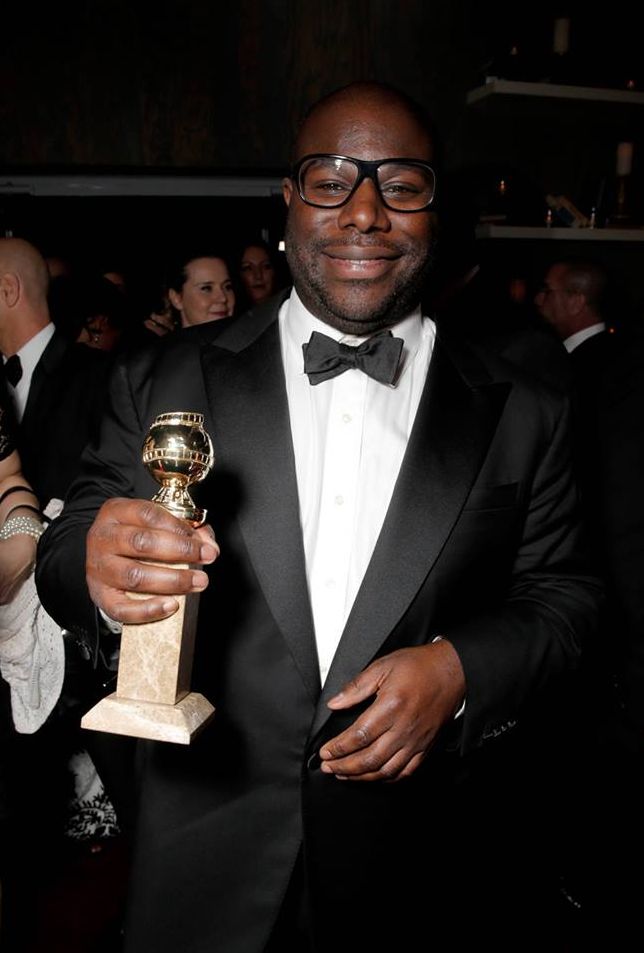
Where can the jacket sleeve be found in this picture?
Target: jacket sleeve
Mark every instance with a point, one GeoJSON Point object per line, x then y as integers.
{"type": "Point", "coordinates": [516, 652]}
{"type": "Point", "coordinates": [108, 470]}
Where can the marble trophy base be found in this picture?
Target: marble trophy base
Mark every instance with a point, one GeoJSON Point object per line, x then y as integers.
{"type": "Point", "coordinates": [153, 720]}
{"type": "Point", "coordinates": [153, 698]}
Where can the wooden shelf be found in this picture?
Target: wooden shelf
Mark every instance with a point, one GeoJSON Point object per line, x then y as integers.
{"type": "Point", "coordinates": [537, 233]}
{"type": "Point", "coordinates": [506, 87]}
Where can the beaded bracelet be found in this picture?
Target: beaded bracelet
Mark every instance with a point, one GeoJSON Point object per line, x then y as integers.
{"type": "Point", "coordinates": [21, 526]}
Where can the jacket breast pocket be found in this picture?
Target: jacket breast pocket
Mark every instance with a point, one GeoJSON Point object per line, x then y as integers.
{"type": "Point", "coordinates": [493, 497]}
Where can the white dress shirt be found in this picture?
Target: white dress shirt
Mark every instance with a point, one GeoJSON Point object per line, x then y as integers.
{"type": "Point", "coordinates": [29, 354]}
{"type": "Point", "coordinates": [350, 434]}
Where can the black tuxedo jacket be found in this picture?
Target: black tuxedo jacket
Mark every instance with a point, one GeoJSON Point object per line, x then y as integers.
{"type": "Point", "coordinates": [620, 457]}
{"type": "Point", "coordinates": [478, 545]}
{"type": "Point", "coordinates": [64, 407]}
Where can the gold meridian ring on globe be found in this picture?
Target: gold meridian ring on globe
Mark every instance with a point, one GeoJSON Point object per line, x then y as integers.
{"type": "Point", "coordinates": [178, 452]}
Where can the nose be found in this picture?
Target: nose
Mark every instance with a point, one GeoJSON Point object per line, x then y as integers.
{"type": "Point", "coordinates": [365, 210]}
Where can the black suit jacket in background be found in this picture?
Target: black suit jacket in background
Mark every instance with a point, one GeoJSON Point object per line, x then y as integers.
{"type": "Point", "coordinates": [65, 404]}
{"type": "Point", "coordinates": [479, 545]}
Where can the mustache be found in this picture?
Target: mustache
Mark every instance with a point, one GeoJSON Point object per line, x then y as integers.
{"type": "Point", "coordinates": [359, 241]}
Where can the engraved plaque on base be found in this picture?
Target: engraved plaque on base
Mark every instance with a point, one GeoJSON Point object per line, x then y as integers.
{"type": "Point", "coordinates": [153, 698]}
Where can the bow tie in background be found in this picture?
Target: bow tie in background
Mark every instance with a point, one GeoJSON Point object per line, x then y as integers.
{"type": "Point", "coordinates": [378, 357]}
{"type": "Point", "coordinates": [13, 369]}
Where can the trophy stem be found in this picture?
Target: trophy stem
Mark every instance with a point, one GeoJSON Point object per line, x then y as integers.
{"type": "Point", "coordinates": [175, 498]}
{"type": "Point", "coordinates": [153, 698]}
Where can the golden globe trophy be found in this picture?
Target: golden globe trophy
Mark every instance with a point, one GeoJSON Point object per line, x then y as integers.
{"type": "Point", "coordinates": [153, 698]}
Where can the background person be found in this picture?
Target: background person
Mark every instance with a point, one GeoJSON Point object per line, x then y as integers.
{"type": "Point", "coordinates": [261, 273]}
{"type": "Point", "coordinates": [200, 288]}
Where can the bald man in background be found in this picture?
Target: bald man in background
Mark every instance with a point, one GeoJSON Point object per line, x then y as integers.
{"type": "Point", "coordinates": [60, 391]}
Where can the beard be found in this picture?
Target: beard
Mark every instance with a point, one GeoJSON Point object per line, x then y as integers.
{"type": "Point", "coordinates": [354, 310]}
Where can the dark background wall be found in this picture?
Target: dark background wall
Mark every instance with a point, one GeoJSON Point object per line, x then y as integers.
{"type": "Point", "coordinates": [216, 88]}
{"type": "Point", "coordinates": [221, 85]}
{"type": "Point", "coordinates": [214, 84]}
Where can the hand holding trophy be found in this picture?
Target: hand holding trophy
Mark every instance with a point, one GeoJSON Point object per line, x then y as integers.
{"type": "Point", "coordinates": [153, 698]}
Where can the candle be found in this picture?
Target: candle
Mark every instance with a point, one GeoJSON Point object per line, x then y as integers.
{"type": "Point", "coordinates": [561, 35]}
{"type": "Point", "coordinates": [624, 158]}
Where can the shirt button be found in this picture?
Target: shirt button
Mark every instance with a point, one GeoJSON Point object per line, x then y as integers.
{"type": "Point", "coordinates": [346, 418]}
{"type": "Point", "coordinates": [339, 500]}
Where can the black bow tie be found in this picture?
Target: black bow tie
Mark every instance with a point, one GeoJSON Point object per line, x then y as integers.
{"type": "Point", "coordinates": [13, 369]}
{"type": "Point", "coordinates": [379, 357]}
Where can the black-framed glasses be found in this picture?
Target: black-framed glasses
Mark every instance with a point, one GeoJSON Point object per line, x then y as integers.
{"type": "Point", "coordinates": [328, 181]}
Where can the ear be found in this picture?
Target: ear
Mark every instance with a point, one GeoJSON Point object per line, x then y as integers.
{"type": "Point", "coordinates": [576, 302]}
{"type": "Point", "coordinates": [287, 190]}
{"type": "Point", "coordinates": [10, 289]}
{"type": "Point", "coordinates": [175, 300]}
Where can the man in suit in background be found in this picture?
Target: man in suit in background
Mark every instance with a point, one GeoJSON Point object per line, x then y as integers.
{"type": "Point", "coordinates": [394, 588]}
{"type": "Point", "coordinates": [58, 390]}
{"type": "Point", "coordinates": [606, 374]}
{"type": "Point", "coordinates": [572, 300]}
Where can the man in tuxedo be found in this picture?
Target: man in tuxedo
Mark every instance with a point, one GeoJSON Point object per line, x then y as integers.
{"type": "Point", "coordinates": [393, 590]}
{"type": "Point", "coordinates": [574, 301]}
{"type": "Point", "coordinates": [57, 387]}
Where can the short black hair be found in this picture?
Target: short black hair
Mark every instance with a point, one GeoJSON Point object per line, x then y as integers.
{"type": "Point", "coordinates": [374, 89]}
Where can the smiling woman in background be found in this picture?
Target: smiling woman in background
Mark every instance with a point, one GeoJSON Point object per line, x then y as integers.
{"type": "Point", "coordinates": [201, 289]}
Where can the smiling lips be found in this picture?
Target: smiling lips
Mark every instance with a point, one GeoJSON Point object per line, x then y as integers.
{"type": "Point", "coordinates": [360, 261]}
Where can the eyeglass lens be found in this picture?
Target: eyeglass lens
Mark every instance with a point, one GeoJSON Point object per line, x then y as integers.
{"type": "Point", "coordinates": [328, 182]}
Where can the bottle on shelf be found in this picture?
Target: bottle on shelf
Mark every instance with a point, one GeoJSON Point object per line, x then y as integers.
{"type": "Point", "coordinates": [559, 66]}
{"type": "Point", "coordinates": [621, 215]}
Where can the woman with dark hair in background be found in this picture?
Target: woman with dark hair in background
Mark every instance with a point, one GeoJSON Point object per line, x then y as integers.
{"type": "Point", "coordinates": [261, 272]}
{"type": "Point", "coordinates": [201, 289]}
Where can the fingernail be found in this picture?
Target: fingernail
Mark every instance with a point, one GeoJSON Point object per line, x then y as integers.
{"type": "Point", "coordinates": [208, 553]}
{"type": "Point", "coordinates": [199, 580]}
{"type": "Point", "coordinates": [170, 606]}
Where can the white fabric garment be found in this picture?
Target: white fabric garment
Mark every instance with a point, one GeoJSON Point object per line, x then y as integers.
{"type": "Point", "coordinates": [32, 654]}
{"type": "Point", "coordinates": [32, 658]}
{"type": "Point", "coordinates": [350, 434]}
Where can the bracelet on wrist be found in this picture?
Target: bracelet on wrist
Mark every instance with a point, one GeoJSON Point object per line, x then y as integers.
{"type": "Point", "coordinates": [21, 526]}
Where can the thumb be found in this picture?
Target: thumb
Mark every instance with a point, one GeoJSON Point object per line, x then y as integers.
{"type": "Point", "coordinates": [363, 686]}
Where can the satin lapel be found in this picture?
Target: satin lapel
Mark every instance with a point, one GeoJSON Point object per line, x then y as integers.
{"type": "Point", "coordinates": [455, 423]}
{"type": "Point", "coordinates": [252, 438]}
